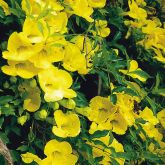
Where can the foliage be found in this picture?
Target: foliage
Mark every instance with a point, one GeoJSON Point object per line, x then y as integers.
{"type": "Point", "coordinates": [81, 81]}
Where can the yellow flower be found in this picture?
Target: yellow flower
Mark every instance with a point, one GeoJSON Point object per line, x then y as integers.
{"type": "Point", "coordinates": [97, 3]}
{"type": "Point", "coordinates": [29, 158]}
{"type": "Point", "coordinates": [119, 123]}
{"type": "Point", "coordinates": [68, 125]}
{"type": "Point", "coordinates": [5, 7]}
{"type": "Point", "coordinates": [125, 104]}
{"type": "Point", "coordinates": [159, 55]}
{"type": "Point", "coordinates": [57, 22]}
{"type": "Point", "coordinates": [101, 28]}
{"type": "Point", "coordinates": [101, 109]}
{"type": "Point", "coordinates": [51, 51]}
{"type": "Point", "coordinates": [56, 83]}
{"type": "Point", "coordinates": [78, 7]}
{"type": "Point", "coordinates": [158, 150]}
{"type": "Point", "coordinates": [58, 153]}
{"type": "Point", "coordinates": [19, 48]}
{"type": "Point", "coordinates": [161, 117]}
{"type": "Point", "coordinates": [132, 71]}
{"type": "Point", "coordinates": [37, 31]}
{"type": "Point", "coordinates": [87, 48]}
{"type": "Point", "coordinates": [74, 60]}
{"type": "Point", "coordinates": [25, 69]}
{"type": "Point", "coordinates": [33, 9]}
{"type": "Point", "coordinates": [36, 7]}
{"type": "Point", "coordinates": [140, 13]}
{"type": "Point", "coordinates": [151, 131]}
{"type": "Point", "coordinates": [148, 115]}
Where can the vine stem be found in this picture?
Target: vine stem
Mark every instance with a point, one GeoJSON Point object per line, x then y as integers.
{"type": "Point", "coordinates": [99, 85]}
{"type": "Point", "coordinates": [6, 153]}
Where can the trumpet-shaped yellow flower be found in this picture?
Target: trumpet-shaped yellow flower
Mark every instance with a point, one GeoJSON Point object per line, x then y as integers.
{"type": "Point", "coordinates": [23, 69]}
{"type": "Point", "coordinates": [74, 60]}
{"type": "Point", "coordinates": [161, 117]}
{"type": "Point", "coordinates": [97, 3]}
{"type": "Point", "coordinates": [105, 116]}
{"type": "Point", "coordinates": [51, 51]}
{"type": "Point", "coordinates": [56, 83]}
{"type": "Point", "coordinates": [68, 125]}
{"type": "Point", "coordinates": [101, 109]}
{"type": "Point", "coordinates": [130, 72]}
{"type": "Point", "coordinates": [148, 115]}
{"type": "Point", "coordinates": [101, 28]}
{"type": "Point", "coordinates": [36, 7]}
{"type": "Point", "coordinates": [140, 13]}
{"type": "Point", "coordinates": [35, 30]}
{"type": "Point", "coordinates": [57, 22]}
{"type": "Point", "coordinates": [5, 7]}
{"type": "Point", "coordinates": [125, 105]}
{"type": "Point", "coordinates": [19, 48]}
{"type": "Point", "coordinates": [31, 8]}
{"type": "Point", "coordinates": [87, 48]}
{"type": "Point", "coordinates": [78, 8]}
{"type": "Point", "coordinates": [119, 123]}
{"type": "Point", "coordinates": [151, 131]}
{"type": "Point", "coordinates": [58, 153]}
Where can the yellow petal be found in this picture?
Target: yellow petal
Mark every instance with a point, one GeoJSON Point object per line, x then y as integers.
{"type": "Point", "coordinates": [29, 158]}
{"type": "Point", "coordinates": [133, 65]}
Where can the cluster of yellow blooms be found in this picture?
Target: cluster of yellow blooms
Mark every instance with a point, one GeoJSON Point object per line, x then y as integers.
{"type": "Point", "coordinates": [33, 51]}
{"type": "Point", "coordinates": [41, 47]}
{"type": "Point", "coordinates": [103, 116]}
{"type": "Point", "coordinates": [152, 28]}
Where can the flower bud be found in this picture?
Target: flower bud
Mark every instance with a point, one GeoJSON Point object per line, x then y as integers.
{"type": "Point", "coordinates": [22, 120]}
{"type": "Point", "coordinates": [43, 114]}
{"type": "Point", "coordinates": [68, 103]}
{"type": "Point", "coordinates": [13, 79]}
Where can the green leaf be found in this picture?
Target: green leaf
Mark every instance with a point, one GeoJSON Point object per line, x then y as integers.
{"type": "Point", "coordinates": [113, 98]}
{"type": "Point", "coordinates": [2, 160]}
{"type": "Point", "coordinates": [99, 134]}
{"type": "Point", "coordinates": [114, 162]}
{"type": "Point", "coordinates": [160, 91]}
{"type": "Point", "coordinates": [152, 157]}
{"type": "Point", "coordinates": [1, 121]}
{"type": "Point", "coordinates": [23, 148]}
{"type": "Point", "coordinates": [4, 137]}
{"type": "Point", "coordinates": [7, 111]}
{"type": "Point", "coordinates": [124, 155]}
{"type": "Point", "coordinates": [5, 99]}
{"type": "Point", "coordinates": [40, 27]}
{"type": "Point", "coordinates": [141, 73]}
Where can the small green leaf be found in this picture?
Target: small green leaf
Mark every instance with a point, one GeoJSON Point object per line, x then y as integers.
{"type": "Point", "coordinates": [99, 134]}
{"type": "Point", "coordinates": [5, 99]}
{"type": "Point", "coordinates": [141, 74]}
